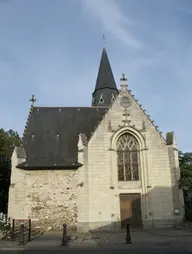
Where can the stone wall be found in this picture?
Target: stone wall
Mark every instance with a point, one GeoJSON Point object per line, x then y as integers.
{"type": "Point", "coordinates": [48, 197]}
{"type": "Point", "coordinates": [155, 174]}
{"type": "Point", "coordinates": [178, 199]}
{"type": "Point", "coordinates": [16, 204]}
{"type": "Point", "coordinates": [51, 197]}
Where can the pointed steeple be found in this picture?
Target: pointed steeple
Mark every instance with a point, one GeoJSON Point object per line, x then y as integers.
{"type": "Point", "coordinates": [105, 88]}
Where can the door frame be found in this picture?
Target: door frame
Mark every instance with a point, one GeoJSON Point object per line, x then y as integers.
{"type": "Point", "coordinates": [131, 195]}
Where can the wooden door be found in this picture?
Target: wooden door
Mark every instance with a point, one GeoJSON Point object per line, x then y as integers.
{"type": "Point", "coordinates": [130, 209]}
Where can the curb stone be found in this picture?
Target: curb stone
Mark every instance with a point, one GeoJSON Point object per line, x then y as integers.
{"type": "Point", "coordinates": [13, 248]}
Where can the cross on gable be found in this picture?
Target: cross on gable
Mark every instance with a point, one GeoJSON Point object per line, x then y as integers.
{"type": "Point", "coordinates": [123, 77]}
{"type": "Point", "coordinates": [124, 82]}
{"type": "Point", "coordinates": [32, 99]}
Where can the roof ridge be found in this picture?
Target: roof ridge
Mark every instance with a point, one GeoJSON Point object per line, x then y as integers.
{"type": "Point", "coordinates": [102, 119]}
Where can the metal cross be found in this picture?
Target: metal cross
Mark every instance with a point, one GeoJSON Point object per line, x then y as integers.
{"type": "Point", "coordinates": [103, 38]}
{"type": "Point", "coordinates": [32, 99]}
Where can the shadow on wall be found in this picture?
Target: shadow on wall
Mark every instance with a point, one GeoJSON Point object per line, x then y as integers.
{"type": "Point", "coordinates": [162, 207]}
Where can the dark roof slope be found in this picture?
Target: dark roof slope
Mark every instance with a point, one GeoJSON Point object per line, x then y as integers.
{"type": "Point", "coordinates": [52, 135]}
{"type": "Point", "coordinates": [105, 77]}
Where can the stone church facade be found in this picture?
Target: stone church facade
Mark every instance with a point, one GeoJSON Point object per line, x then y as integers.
{"type": "Point", "coordinates": [96, 167]}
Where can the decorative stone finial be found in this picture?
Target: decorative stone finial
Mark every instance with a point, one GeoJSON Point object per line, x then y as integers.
{"type": "Point", "coordinates": [123, 82]}
{"type": "Point", "coordinates": [123, 77]}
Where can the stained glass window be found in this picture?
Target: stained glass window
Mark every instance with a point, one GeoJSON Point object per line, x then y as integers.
{"type": "Point", "coordinates": [127, 158]}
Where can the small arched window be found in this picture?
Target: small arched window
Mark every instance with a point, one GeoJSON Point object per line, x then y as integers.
{"type": "Point", "coordinates": [112, 98]}
{"type": "Point", "coordinates": [101, 100]}
{"type": "Point", "coordinates": [127, 158]}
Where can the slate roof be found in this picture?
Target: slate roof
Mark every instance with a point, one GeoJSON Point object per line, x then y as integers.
{"type": "Point", "coordinates": [105, 77]}
{"type": "Point", "coordinates": [51, 137]}
{"type": "Point", "coordinates": [105, 87]}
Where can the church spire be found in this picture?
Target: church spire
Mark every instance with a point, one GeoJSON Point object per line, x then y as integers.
{"type": "Point", "coordinates": [105, 88]}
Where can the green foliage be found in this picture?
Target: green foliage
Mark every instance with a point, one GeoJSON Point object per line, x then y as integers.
{"type": "Point", "coordinates": [186, 170]}
{"type": "Point", "coordinates": [4, 226]}
{"type": "Point", "coordinates": [186, 181]}
{"type": "Point", "coordinates": [8, 140]}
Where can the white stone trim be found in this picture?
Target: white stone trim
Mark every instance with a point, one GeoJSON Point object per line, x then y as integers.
{"type": "Point", "coordinates": [132, 186]}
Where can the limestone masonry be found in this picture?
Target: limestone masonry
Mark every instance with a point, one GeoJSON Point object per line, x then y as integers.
{"type": "Point", "coordinates": [96, 168]}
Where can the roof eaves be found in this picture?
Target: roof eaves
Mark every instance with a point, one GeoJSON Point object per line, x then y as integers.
{"type": "Point", "coordinates": [52, 167]}
{"type": "Point", "coordinates": [106, 87]}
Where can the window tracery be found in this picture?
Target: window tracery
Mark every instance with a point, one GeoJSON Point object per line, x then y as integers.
{"type": "Point", "coordinates": [127, 158]}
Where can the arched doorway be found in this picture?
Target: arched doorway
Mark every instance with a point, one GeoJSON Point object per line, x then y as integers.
{"type": "Point", "coordinates": [128, 167]}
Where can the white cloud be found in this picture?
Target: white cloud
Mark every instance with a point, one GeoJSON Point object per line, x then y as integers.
{"type": "Point", "coordinates": [113, 20]}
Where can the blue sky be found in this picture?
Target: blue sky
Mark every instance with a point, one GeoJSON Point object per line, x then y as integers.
{"type": "Point", "coordinates": [52, 48]}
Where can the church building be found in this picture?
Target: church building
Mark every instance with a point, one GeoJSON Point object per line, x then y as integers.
{"type": "Point", "coordinates": [97, 167]}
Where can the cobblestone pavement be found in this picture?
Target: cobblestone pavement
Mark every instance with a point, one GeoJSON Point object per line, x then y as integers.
{"type": "Point", "coordinates": [141, 240]}
{"type": "Point", "coordinates": [101, 251]}
{"type": "Point", "coordinates": [186, 226]}
{"type": "Point", "coordinates": [165, 236]}
{"type": "Point", "coordinates": [9, 245]}
{"type": "Point", "coordinates": [53, 240]}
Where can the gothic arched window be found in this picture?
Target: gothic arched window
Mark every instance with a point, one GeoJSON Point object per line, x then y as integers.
{"type": "Point", "coordinates": [127, 158]}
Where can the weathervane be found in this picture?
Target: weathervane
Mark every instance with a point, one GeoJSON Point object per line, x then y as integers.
{"type": "Point", "coordinates": [32, 99]}
{"type": "Point", "coordinates": [103, 38]}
